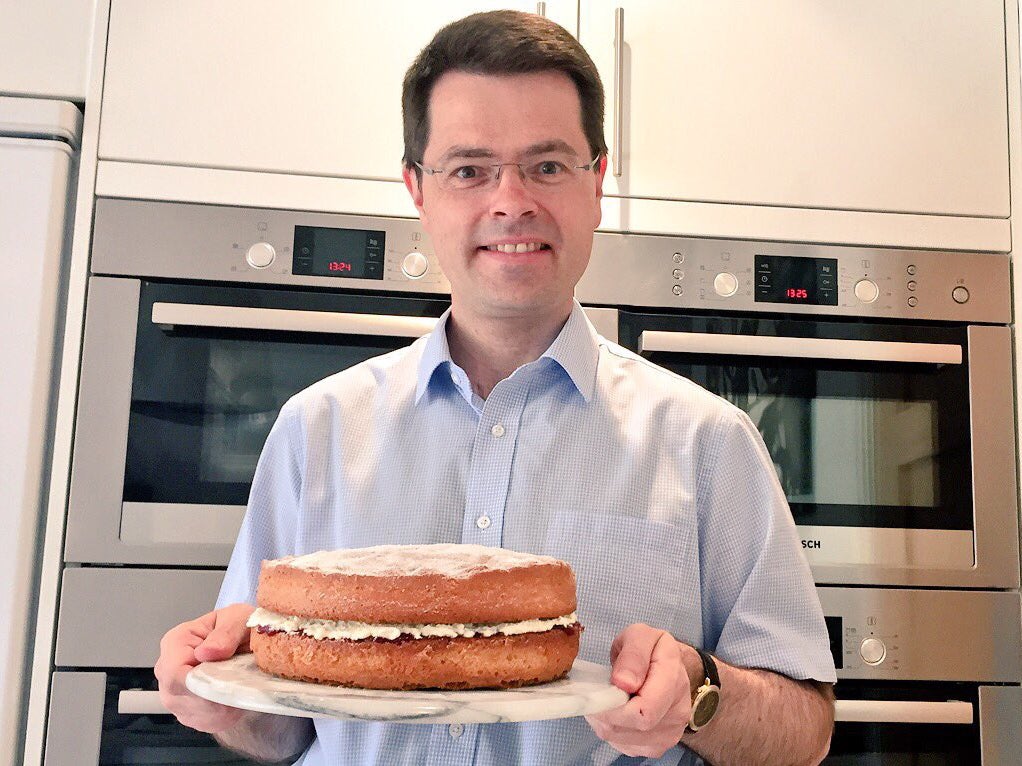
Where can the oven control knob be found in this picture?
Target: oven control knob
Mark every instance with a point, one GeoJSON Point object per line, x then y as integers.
{"type": "Point", "coordinates": [866, 291]}
{"type": "Point", "coordinates": [725, 284]}
{"type": "Point", "coordinates": [414, 265]}
{"type": "Point", "coordinates": [260, 255]}
{"type": "Point", "coordinates": [872, 651]}
{"type": "Point", "coordinates": [960, 294]}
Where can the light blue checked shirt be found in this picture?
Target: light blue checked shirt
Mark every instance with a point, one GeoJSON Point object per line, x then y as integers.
{"type": "Point", "coordinates": [660, 495]}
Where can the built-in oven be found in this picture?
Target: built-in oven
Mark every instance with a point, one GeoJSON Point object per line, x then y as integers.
{"type": "Point", "coordinates": [201, 322]}
{"type": "Point", "coordinates": [924, 677]}
{"type": "Point", "coordinates": [880, 380]}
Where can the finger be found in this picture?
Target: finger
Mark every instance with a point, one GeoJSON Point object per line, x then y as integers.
{"type": "Point", "coordinates": [631, 662]}
{"type": "Point", "coordinates": [228, 636]}
{"type": "Point", "coordinates": [660, 691]}
{"type": "Point", "coordinates": [177, 651]}
{"type": "Point", "coordinates": [623, 637]}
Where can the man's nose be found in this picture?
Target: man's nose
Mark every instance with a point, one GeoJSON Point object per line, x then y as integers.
{"type": "Point", "coordinates": [512, 195]}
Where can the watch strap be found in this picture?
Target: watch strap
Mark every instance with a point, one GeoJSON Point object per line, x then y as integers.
{"type": "Point", "coordinates": [709, 667]}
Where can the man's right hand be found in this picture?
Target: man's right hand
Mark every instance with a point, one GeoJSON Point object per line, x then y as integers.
{"type": "Point", "coordinates": [215, 636]}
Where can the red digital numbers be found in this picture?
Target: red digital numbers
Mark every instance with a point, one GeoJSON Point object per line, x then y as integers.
{"type": "Point", "coordinates": [798, 293]}
{"type": "Point", "coordinates": [339, 266]}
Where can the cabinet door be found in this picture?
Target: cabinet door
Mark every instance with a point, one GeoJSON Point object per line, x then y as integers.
{"type": "Point", "coordinates": [872, 105]}
{"type": "Point", "coordinates": [45, 45]}
{"type": "Point", "coordinates": [263, 85]}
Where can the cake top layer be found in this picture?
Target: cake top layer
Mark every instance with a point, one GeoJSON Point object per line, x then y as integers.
{"type": "Point", "coordinates": [448, 560]}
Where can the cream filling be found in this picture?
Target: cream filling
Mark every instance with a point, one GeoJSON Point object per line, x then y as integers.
{"type": "Point", "coordinates": [356, 631]}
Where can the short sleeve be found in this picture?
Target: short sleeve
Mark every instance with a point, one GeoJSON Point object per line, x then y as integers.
{"type": "Point", "coordinates": [760, 606]}
{"type": "Point", "coordinates": [270, 526]}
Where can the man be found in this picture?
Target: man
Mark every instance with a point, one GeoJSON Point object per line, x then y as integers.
{"type": "Point", "coordinates": [514, 424]}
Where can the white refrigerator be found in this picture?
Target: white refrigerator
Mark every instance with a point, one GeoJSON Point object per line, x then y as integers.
{"type": "Point", "coordinates": [39, 140]}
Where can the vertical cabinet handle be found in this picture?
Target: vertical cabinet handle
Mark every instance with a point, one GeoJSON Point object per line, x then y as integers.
{"type": "Point", "coordinates": [619, 82]}
{"type": "Point", "coordinates": [541, 9]}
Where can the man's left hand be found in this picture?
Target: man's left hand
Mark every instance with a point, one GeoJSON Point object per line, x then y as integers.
{"type": "Point", "coordinates": [648, 664]}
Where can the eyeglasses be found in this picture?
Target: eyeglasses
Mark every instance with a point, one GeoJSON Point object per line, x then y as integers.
{"type": "Point", "coordinates": [548, 171]}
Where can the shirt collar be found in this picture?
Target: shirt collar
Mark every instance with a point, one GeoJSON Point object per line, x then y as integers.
{"type": "Point", "coordinates": [576, 349]}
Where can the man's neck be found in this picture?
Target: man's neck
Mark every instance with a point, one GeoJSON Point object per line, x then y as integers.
{"type": "Point", "coordinates": [490, 349]}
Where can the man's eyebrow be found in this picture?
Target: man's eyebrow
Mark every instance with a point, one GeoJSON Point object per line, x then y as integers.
{"type": "Point", "coordinates": [465, 152]}
{"type": "Point", "coordinates": [544, 147]}
{"type": "Point", "coordinates": [470, 152]}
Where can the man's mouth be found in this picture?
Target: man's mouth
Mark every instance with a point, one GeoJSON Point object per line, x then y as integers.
{"type": "Point", "coordinates": [520, 247]}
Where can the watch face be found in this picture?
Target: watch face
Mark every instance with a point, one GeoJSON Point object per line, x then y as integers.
{"type": "Point", "coordinates": [705, 706]}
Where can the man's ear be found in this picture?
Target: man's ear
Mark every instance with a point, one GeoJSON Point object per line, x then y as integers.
{"type": "Point", "coordinates": [413, 182]}
{"type": "Point", "coordinates": [600, 172]}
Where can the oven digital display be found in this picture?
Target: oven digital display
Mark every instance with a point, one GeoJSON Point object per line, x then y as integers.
{"type": "Point", "coordinates": [791, 279]}
{"type": "Point", "coordinates": [325, 252]}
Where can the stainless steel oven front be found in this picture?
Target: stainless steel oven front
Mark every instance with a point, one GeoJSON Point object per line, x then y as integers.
{"type": "Point", "coordinates": [881, 381]}
{"type": "Point", "coordinates": [924, 676]}
{"type": "Point", "coordinates": [201, 321]}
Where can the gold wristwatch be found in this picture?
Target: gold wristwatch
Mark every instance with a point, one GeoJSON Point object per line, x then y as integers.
{"type": "Point", "coordinates": [707, 696]}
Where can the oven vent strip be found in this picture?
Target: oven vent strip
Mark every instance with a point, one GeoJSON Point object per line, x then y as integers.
{"type": "Point", "coordinates": [290, 320]}
{"type": "Point", "coordinates": [142, 702]}
{"type": "Point", "coordinates": [799, 348]}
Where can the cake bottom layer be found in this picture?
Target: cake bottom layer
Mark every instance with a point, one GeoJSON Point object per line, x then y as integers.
{"type": "Point", "coordinates": [494, 662]}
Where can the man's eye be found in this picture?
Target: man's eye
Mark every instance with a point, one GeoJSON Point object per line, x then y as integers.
{"type": "Point", "coordinates": [466, 172]}
{"type": "Point", "coordinates": [550, 168]}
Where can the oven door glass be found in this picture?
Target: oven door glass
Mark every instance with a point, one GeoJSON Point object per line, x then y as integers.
{"type": "Point", "coordinates": [155, 737]}
{"type": "Point", "coordinates": [205, 393]}
{"type": "Point", "coordinates": [856, 441]}
{"type": "Point", "coordinates": [945, 730]}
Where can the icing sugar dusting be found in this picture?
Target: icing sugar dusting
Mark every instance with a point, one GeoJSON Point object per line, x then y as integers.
{"type": "Point", "coordinates": [449, 560]}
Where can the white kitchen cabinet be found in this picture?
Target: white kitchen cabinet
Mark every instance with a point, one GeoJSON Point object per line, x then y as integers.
{"type": "Point", "coordinates": [870, 106]}
{"type": "Point", "coordinates": [44, 47]}
{"type": "Point", "coordinates": [309, 88]}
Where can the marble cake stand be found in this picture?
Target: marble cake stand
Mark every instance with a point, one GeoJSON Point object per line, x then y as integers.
{"type": "Point", "coordinates": [238, 682]}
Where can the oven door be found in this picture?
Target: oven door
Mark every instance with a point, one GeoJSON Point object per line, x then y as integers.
{"type": "Point", "coordinates": [936, 725]}
{"type": "Point", "coordinates": [180, 385]}
{"type": "Point", "coordinates": [115, 719]}
{"type": "Point", "coordinates": [893, 444]}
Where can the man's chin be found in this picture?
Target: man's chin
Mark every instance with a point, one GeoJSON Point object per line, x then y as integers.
{"type": "Point", "coordinates": [529, 308]}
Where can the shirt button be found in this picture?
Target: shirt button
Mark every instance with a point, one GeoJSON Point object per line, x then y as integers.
{"type": "Point", "coordinates": [483, 522]}
{"type": "Point", "coordinates": [456, 730]}
{"type": "Point", "coordinates": [497, 430]}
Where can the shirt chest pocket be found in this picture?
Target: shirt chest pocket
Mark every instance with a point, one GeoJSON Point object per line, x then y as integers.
{"type": "Point", "coordinates": [628, 570]}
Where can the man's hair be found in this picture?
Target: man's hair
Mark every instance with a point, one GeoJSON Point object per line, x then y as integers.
{"type": "Point", "coordinates": [499, 43]}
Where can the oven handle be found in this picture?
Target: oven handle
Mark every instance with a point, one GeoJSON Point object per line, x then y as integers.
{"type": "Point", "coordinates": [140, 702]}
{"type": "Point", "coordinates": [903, 711]}
{"type": "Point", "coordinates": [290, 320]}
{"type": "Point", "coordinates": [799, 348]}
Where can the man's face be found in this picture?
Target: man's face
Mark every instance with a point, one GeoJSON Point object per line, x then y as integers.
{"type": "Point", "coordinates": [483, 119]}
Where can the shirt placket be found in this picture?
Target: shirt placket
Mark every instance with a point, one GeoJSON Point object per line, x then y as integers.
{"type": "Point", "coordinates": [453, 744]}
{"type": "Point", "coordinates": [489, 474]}
{"type": "Point", "coordinates": [487, 485]}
